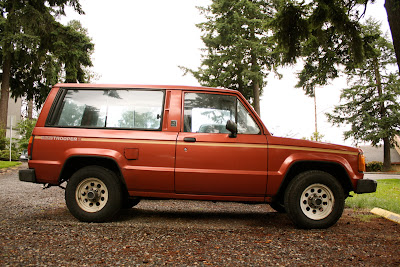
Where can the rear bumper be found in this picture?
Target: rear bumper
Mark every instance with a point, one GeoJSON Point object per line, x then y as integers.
{"type": "Point", "coordinates": [366, 186]}
{"type": "Point", "coordinates": [27, 175]}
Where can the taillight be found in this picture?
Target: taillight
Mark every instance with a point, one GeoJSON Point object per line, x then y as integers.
{"type": "Point", "coordinates": [361, 162]}
{"type": "Point", "coordinates": [30, 144]}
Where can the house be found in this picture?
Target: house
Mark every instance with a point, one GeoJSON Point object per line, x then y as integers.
{"type": "Point", "coordinates": [13, 116]}
{"type": "Point", "coordinates": [376, 154]}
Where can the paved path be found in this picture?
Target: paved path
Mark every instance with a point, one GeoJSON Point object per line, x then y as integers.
{"type": "Point", "coordinates": [377, 176]}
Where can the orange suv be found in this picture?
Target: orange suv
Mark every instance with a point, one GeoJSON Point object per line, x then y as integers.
{"type": "Point", "coordinates": [117, 144]}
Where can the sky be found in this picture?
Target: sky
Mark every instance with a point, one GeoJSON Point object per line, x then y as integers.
{"type": "Point", "coordinates": [145, 42]}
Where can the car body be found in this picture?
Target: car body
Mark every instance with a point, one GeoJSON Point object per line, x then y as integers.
{"type": "Point", "coordinates": [117, 144]}
{"type": "Point", "coordinates": [24, 155]}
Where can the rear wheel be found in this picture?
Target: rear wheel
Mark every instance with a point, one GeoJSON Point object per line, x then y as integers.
{"type": "Point", "coordinates": [314, 199]}
{"type": "Point", "coordinates": [93, 194]}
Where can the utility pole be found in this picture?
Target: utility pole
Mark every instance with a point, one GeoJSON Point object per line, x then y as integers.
{"type": "Point", "coordinates": [11, 122]}
{"type": "Point", "coordinates": [315, 110]}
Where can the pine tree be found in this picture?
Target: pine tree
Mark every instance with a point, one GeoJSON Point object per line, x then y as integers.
{"type": "Point", "coordinates": [65, 59]}
{"type": "Point", "coordinates": [393, 12]}
{"type": "Point", "coordinates": [240, 49]}
{"type": "Point", "coordinates": [29, 35]}
{"type": "Point", "coordinates": [372, 103]}
{"type": "Point", "coordinates": [327, 36]}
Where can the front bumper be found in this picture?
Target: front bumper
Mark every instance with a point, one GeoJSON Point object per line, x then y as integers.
{"type": "Point", "coordinates": [27, 175]}
{"type": "Point", "coordinates": [366, 186]}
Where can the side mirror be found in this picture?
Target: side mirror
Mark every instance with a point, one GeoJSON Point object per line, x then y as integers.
{"type": "Point", "coordinates": [232, 127]}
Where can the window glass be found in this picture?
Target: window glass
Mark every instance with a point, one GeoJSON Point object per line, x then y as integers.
{"type": "Point", "coordinates": [134, 109]}
{"type": "Point", "coordinates": [208, 113]}
{"type": "Point", "coordinates": [83, 108]}
{"type": "Point", "coordinates": [245, 122]}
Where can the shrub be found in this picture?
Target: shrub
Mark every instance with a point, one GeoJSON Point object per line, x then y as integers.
{"type": "Point", "coordinates": [374, 166]}
{"type": "Point", "coordinates": [3, 139]}
{"type": "Point", "coordinates": [25, 128]}
{"type": "Point", "coordinates": [5, 155]}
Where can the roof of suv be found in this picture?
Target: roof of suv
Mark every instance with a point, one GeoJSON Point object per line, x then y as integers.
{"type": "Point", "coordinates": [141, 86]}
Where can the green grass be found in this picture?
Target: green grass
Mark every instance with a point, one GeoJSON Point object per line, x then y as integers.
{"type": "Point", "coordinates": [387, 196]}
{"type": "Point", "coordinates": [6, 164]}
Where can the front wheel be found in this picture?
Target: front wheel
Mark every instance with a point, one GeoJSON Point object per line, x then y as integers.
{"type": "Point", "coordinates": [314, 199]}
{"type": "Point", "coordinates": [93, 194]}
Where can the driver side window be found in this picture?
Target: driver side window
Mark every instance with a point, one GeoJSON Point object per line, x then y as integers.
{"type": "Point", "coordinates": [209, 113]}
{"type": "Point", "coordinates": [245, 122]}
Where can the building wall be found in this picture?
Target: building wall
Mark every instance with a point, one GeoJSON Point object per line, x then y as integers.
{"type": "Point", "coordinates": [376, 154]}
{"type": "Point", "coordinates": [397, 139]}
{"type": "Point", "coordinates": [14, 117]}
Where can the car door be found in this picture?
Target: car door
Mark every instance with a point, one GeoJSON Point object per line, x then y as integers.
{"type": "Point", "coordinates": [208, 160]}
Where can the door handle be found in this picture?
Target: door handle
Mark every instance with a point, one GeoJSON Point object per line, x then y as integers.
{"type": "Point", "coordinates": [189, 139]}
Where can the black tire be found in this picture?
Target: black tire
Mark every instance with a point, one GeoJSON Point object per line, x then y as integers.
{"type": "Point", "coordinates": [130, 203]}
{"type": "Point", "coordinates": [93, 194]}
{"type": "Point", "coordinates": [314, 200]}
{"type": "Point", "coordinates": [277, 206]}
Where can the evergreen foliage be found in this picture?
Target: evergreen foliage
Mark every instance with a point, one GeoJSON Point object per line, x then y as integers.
{"type": "Point", "coordinates": [240, 51]}
{"type": "Point", "coordinates": [37, 51]}
{"type": "Point", "coordinates": [393, 12]}
{"type": "Point", "coordinates": [326, 34]}
{"type": "Point", "coordinates": [371, 105]}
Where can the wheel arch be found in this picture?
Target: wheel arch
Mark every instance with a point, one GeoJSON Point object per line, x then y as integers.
{"type": "Point", "coordinates": [75, 163]}
{"type": "Point", "coordinates": [335, 169]}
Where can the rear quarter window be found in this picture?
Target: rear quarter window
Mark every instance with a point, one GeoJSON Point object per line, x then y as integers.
{"type": "Point", "coordinates": [111, 108]}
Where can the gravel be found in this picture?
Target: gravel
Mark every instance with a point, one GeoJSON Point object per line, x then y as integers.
{"type": "Point", "coordinates": [36, 228]}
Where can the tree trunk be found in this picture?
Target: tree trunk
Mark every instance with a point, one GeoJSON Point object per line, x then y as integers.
{"type": "Point", "coordinates": [30, 109]}
{"type": "Point", "coordinates": [256, 83]}
{"type": "Point", "coordinates": [386, 143]}
{"type": "Point", "coordinates": [256, 100]}
{"type": "Point", "coordinates": [387, 161]}
{"type": "Point", "coordinates": [5, 93]}
{"type": "Point", "coordinates": [5, 80]}
{"type": "Point", "coordinates": [393, 10]}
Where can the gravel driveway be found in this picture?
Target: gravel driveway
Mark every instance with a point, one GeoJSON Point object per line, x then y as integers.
{"type": "Point", "coordinates": [37, 229]}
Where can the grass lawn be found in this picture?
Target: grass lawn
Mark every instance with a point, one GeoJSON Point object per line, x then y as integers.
{"type": "Point", "coordinates": [6, 164]}
{"type": "Point", "coordinates": [387, 196]}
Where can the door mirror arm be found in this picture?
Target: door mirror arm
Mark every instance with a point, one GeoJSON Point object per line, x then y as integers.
{"type": "Point", "coordinates": [232, 127]}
